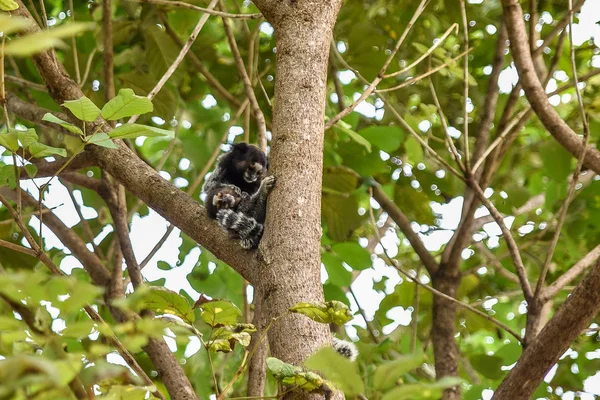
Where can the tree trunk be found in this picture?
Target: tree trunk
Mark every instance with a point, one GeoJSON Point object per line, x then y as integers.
{"type": "Point", "coordinates": [445, 349]}
{"type": "Point", "coordinates": [291, 243]}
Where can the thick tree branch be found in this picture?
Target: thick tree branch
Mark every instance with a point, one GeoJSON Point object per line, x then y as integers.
{"type": "Point", "coordinates": [534, 91]}
{"type": "Point", "coordinates": [169, 201]}
{"type": "Point", "coordinates": [566, 325]}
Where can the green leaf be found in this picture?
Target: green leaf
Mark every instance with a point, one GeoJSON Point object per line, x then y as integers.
{"type": "Point", "coordinates": [42, 150]}
{"type": "Point", "coordinates": [337, 369]}
{"type": "Point", "coordinates": [102, 139]}
{"type": "Point", "coordinates": [488, 366]}
{"type": "Point", "coordinates": [220, 312]}
{"type": "Point", "coordinates": [10, 140]}
{"type": "Point", "coordinates": [31, 170]}
{"type": "Point", "coordinates": [510, 353]}
{"type": "Point", "coordinates": [165, 301]}
{"type": "Point", "coordinates": [11, 24]}
{"type": "Point", "coordinates": [414, 150]}
{"type": "Point", "coordinates": [341, 215]}
{"type": "Point", "coordinates": [28, 137]}
{"type": "Point", "coordinates": [328, 312]}
{"type": "Point", "coordinates": [557, 161]}
{"type": "Point", "coordinates": [67, 125]}
{"type": "Point", "coordinates": [345, 128]}
{"type": "Point", "coordinates": [387, 374]}
{"type": "Point", "coordinates": [291, 375]}
{"type": "Point", "coordinates": [37, 42]}
{"type": "Point", "coordinates": [421, 391]}
{"type": "Point", "coordinates": [387, 138]}
{"type": "Point", "coordinates": [78, 330]}
{"type": "Point", "coordinates": [126, 104]}
{"type": "Point", "coordinates": [84, 109]}
{"type": "Point", "coordinates": [7, 176]}
{"type": "Point", "coordinates": [131, 131]}
{"type": "Point", "coordinates": [353, 254]}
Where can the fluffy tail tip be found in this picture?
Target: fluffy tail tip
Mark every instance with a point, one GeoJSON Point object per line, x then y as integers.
{"type": "Point", "coordinates": [345, 348]}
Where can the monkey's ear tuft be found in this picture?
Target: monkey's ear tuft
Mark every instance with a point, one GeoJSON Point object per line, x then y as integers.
{"type": "Point", "coordinates": [242, 147]}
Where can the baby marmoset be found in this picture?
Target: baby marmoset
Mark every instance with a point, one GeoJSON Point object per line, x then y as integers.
{"type": "Point", "coordinates": [237, 193]}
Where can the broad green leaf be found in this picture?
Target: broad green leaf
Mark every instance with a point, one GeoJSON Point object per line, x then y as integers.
{"type": "Point", "coordinates": [131, 131]}
{"type": "Point", "coordinates": [345, 128]}
{"type": "Point", "coordinates": [10, 140]}
{"type": "Point", "coordinates": [78, 330]}
{"type": "Point", "coordinates": [557, 161]}
{"type": "Point", "coordinates": [165, 301]}
{"type": "Point", "coordinates": [510, 353]}
{"type": "Point", "coordinates": [83, 108]}
{"type": "Point", "coordinates": [42, 150]}
{"type": "Point", "coordinates": [27, 138]}
{"type": "Point", "coordinates": [37, 42]}
{"type": "Point", "coordinates": [120, 392]}
{"type": "Point", "coordinates": [387, 374]}
{"type": "Point", "coordinates": [387, 138]}
{"type": "Point", "coordinates": [353, 254]}
{"type": "Point", "coordinates": [341, 215]}
{"type": "Point", "coordinates": [220, 312]}
{"type": "Point", "coordinates": [328, 312]}
{"type": "Point", "coordinates": [102, 139]}
{"type": "Point", "coordinates": [337, 369]}
{"type": "Point", "coordinates": [414, 150]}
{"type": "Point", "coordinates": [421, 391]}
{"type": "Point", "coordinates": [338, 274]}
{"type": "Point", "coordinates": [126, 104]}
{"type": "Point", "coordinates": [67, 125]}
{"type": "Point", "coordinates": [10, 24]}
{"type": "Point", "coordinates": [340, 179]}
{"type": "Point", "coordinates": [488, 366]}
{"type": "Point", "coordinates": [291, 375]}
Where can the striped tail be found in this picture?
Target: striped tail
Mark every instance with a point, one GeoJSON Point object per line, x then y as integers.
{"type": "Point", "coordinates": [245, 228]}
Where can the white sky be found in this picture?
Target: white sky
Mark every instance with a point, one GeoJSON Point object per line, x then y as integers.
{"type": "Point", "coordinates": [146, 231]}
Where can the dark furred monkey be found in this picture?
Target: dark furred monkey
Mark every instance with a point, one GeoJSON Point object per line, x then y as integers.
{"type": "Point", "coordinates": [237, 193]}
{"type": "Point", "coordinates": [244, 166]}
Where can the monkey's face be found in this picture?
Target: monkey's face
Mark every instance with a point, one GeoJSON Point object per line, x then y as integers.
{"type": "Point", "coordinates": [249, 161]}
{"type": "Point", "coordinates": [253, 172]}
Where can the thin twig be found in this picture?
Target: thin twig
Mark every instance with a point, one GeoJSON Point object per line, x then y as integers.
{"type": "Point", "coordinates": [208, 11]}
{"type": "Point", "coordinates": [88, 66]}
{"type": "Point", "coordinates": [74, 44]}
{"type": "Point", "coordinates": [25, 83]}
{"type": "Point", "coordinates": [438, 43]}
{"type": "Point", "coordinates": [258, 114]}
{"type": "Point", "coordinates": [210, 78]}
{"type": "Point", "coordinates": [108, 59]}
{"type": "Point", "coordinates": [84, 222]}
{"type": "Point", "coordinates": [16, 247]}
{"type": "Point", "coordinates": [436, 292]}
{"type": "Point", "coordinates": [426, 74]}
{"type": "Point", "coordinates": [449, 139]}
{"type": "Point", "coordinates": [186, 47]}
{"type": "Point", "coordinates": [364, 316]}
{"type": "Point", "coordinates": [381, 73]}
{"type": "Point", "coordinates": [575, 178]}
{"type": "Point", "coordinates": [510, 241]}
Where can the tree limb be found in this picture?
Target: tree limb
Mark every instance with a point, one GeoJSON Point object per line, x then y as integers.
{"type": "Point", "coordinates": [534, 91]}
{"type": "Point", "coordinates": [566, 325]}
